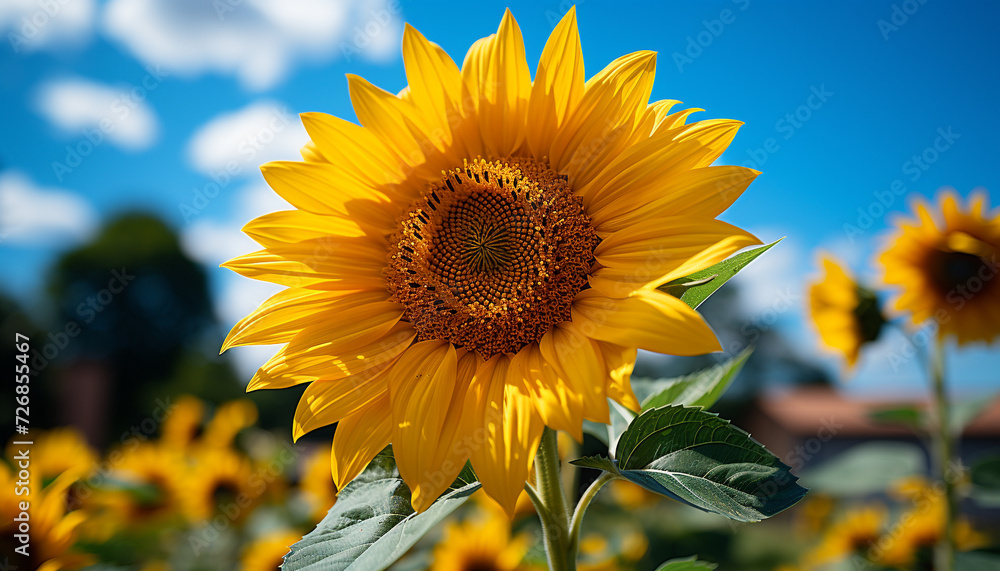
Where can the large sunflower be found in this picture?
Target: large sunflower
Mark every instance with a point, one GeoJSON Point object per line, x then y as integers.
{"type": "Point", "coordinates": [946, 266]}
{"type": "Point", "coordinates": [479, 258]}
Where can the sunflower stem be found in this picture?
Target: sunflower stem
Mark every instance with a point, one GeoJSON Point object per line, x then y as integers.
{"type": "Point", "coordinates": [550, 501]}
{"type": "Point", "coordinates": [576, 523]}
{"type": "Point", "coordinates": [944, 450]}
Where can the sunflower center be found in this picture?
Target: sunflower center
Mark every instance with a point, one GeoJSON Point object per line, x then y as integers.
{"type": "Point", "coordinates": [491, 256]}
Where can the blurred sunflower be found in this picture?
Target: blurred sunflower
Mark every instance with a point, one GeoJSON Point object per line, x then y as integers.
{"type": "Point", "coordinates": [152, 484]}
{"type": "Point", "coordinates": [57, 451]}
{"type": "Point", "coordinates": [219, 481]}
{"type": "Point", "coordinates": [316, 485]}
{"type": "Point", "coordinates": [268, 551]}
{"type": "Point", "coordinates": [183, 422]}
{"type": "Point", "coordinates": [945, 262]}
{"type": "Point", "coordinates": [53, 531]}
{"type": "Point", "coordinates": [479, 259]}
{"type": "Point", "coordinates": [481, 542]}
{"type": "Point", "coordinates": [845, 313]}
{"type": "Point", "coordinates": [854, 533]}
{"type": "Point", "coordinates": [229, 419]}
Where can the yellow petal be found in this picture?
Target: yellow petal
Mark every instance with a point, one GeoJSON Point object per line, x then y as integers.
{"type": "Point", "coordinates": [668, 248]}
{"type": "Point", "coordinates": [354, 148]}
{"type": "Point", "coordinates": [636, 176]}
{"type": "Point", "coordinates": [348, 326]}
{"type": "Point", "coordinates": [393, 120]}
{"type": "Point", "coordinates": [620, 361]}
{"type": "Point", "coordinates": [326, 402]}
{"type": "Point", "coordinates": [504, 88]}
{"type": "Point", "coordinates": [558, 85]}
{"type": "Point", "coordinates": [576, 357]}
{"type": "Point", "coordinates": [292, 226]}
{"type": "Point", "coordinates": [649, 319]}
{"type": "Point", "coordinates": [324, 188]}
{"type": "Point", "coordinates": [331, 263]}
{"type": "Point", "coordinates": [427, 404]}
{"type": "Point", "coordinates": [702, 193]}
{"type": "Point", "coordinates": [506, 429]}
{"type": "Point", "coordinates": [436, 87]}
{"type": "Point", "coordinates": [330, 362]}
{"type": "Point", "coordinates": [358, 439]}
{"type": "Point", "coordinates": [557, 400]}
{"type": "Point", "coordinates": [287, 312]}
{"type": "Point", "coordinates": [600, 126]}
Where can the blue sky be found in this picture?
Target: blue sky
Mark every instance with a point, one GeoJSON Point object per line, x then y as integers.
{"type": "Point", "coordinates": [837, 99]}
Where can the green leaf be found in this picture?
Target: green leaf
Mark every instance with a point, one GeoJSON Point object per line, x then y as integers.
{"type": "Point", "coordinates": [977, 561]}
{"type": "Point", "coordinates": [864, 469]}
{"type": "Point", "coordinates": [905, 415]}
{"type": "Point", "coordinates": [985, 472]}
{"type": "Point", "coordinates": [702, 388]}
{"type": "Point", "coordinates": [372, 524]}
{"type": "Point", "coordinates": [697, 287]}
{"type": "Point", "coordinates": [687, 564]}
{"type": "Point", "coordinates": [621, 417]}
{"type": "Point", "coordinates": [702, 460]}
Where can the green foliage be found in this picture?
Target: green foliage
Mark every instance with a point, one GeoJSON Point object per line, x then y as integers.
{"type": "Point", "coordinates": [372, 524]}
{"type": "Point", "coordinates": [697, 287]}
{"type": "Point", "coordinates": [702, 388]}
{"type": "Point", "coordinates": [868, 468]}
{"type": "Point", "coordinates": [687, 564]}
{"type": "Point", "coordinates": [702, 460]}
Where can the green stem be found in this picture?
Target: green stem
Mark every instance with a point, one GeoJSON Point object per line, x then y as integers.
{"type": "Point", "coordinates": [943, 445]}
{"type": "Point", "coordinates": [581, 508]}
{"type": "Point", "coordinates": [550, 502]}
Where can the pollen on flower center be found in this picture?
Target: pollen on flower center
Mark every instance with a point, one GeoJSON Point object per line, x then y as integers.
{"type": "Point", "coordinates": [491, 256]}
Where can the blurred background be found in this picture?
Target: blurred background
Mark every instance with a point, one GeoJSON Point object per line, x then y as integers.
{"type": "Point", "coordinates": [135, 129]}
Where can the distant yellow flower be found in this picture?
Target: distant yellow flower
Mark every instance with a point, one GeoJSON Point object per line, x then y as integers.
{"type": "Point", "coordinates": [219, 481]}
{"type": "Point", "coordinates": [316, 484]}
{"type": "Point", "coordinates": [267, 552]}
{"type": "Point", "coordinates": [52, 530]}
{"type": "Point", "coordinates": [846, 314]}
{"type": "Point", "coordinates": [946, 264]}
{"type": "Point", "coordinates": [152, 478]}
{"type": "Point", "coordinates": [57, 451]}
{"type": "Point", "coordinates": [854, 533]}
{"type": "Point", "coordinates": [632, 496]}
{"type": "Point", "coordinates": [481, 542]}
{"type": "Point", "coordinates": [480, 258]}
{"type": "Point", "coordinates": [229, 419]}
{"type": "Point", "coordinates": [183, 422]}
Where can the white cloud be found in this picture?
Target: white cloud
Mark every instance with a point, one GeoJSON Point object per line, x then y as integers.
{"type": "Point", "coordinates": [34, 24]}
{"type": "Point", "coordinates": [99, 112]}
{"type": "Point", "coordinates": [255, 40]}
{"type": "Point", "coordinates": [30, 214]}
{"type": "Point", "coordinates": [237, 142]}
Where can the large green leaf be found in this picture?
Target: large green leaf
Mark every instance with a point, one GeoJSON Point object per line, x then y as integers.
{"type": "Point", "coordinates": [864, 469]}
{"type": "Point", "coordinates": [687, 564]}
{"type": "Point", "coordinates": [985, 476]}
{"type": "Point", "coordinates": [702, 388]}
{"type": "Point", "coordinates": [697, 287]}
{"type": "Point", "coordinates": [372, 524]}
{"type": "Point", "coordinates": [702, 460]}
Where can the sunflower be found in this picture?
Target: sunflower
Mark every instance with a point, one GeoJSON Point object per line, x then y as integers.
{"type": "Point", "coordinates": [53, 531]}
{"type": "Point", "coordinates": [318, 489]}
{"type": "Point", "coordinates": [151, 480]}
{"type": "Point", "coordinates": [183, 422]}
{"type": "Point", "coordinates": [480, 258]}
{"type": "Point", "coordinates": [219, 481]}
{"type": "Point", "coordinates": [481, 543]}
{"type": "Point", "coordinates": [268, 551]}
{"type": "Point", "coordinates": [57, 451]}
{"type": "Point", "coordinates": [229, 419]}
{"type": "Point", "coordinates": [854, 533]}
{"type": "Point", "coordinates": [846, 314]}
{"type": "Point", "coordinates": [946, 265]}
